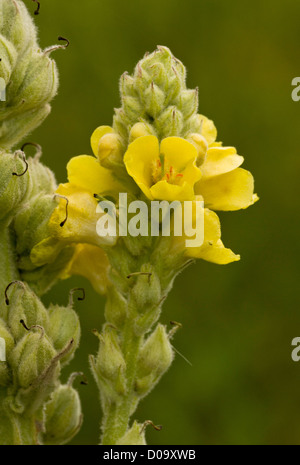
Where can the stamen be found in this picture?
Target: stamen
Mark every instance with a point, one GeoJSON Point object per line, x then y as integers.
{"type": "Point", "coordinates": [176, 327]}
{"type": "Point", "coordinates": [179, 175]}
{"type": "Point", "coordinates": [67, 205]}
{"type": "Point", "coordinates": [71, 300]}
{"type": "Point", "coordinates": [162, 164]}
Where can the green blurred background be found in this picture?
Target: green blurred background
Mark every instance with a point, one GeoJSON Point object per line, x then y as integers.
{"type": "Point", "coordinates": [238, 320]}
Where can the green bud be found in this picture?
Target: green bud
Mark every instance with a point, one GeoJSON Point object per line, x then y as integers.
{"type": "Point", "coordinates": [146, 291]}
{"type": "Point", "coordinates": [63, 417]}
{"type": "Point", "coordinates": [132, 108]}
{"type": "Point", "coordinates": [31, 357]}
{"type": "Point", "coordinates": [7, 347]}
{"type": "Point", "coordinates": [127, 85]}
{"type": "Point", "coordinates": [155, 359]}
{"type": "Point", "coordinates": [64, 326]}
{"type": "Point", "coordinates": [187, 102]}
{"type": "Point", "coordinates": [115, 307]}
{"type": "Point", "coordinates": [169, 123]}
{"type": "Point", "coordinates": [135, 436]}
{"type": "Point", "coordinates": [24, 305]}
{"type": "Point", "coordinates": [154, 100]}
{"type": "Point", "coordinates": [110, 365]}
{"type": "Point", "coordinates": [30, 75]}
{"type": "Point", "coordinates": [13, 182]}
{"type": "Point", "coordinates": [42, 179]}
{"type": "Point", "coordinates": [156, 94]}
{"type": "Point", "coordinates": [140, 130]}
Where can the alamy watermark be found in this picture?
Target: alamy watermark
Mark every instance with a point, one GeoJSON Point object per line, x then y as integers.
{"type": "Point", "coordinates": [161, 218]}
{"type": "Point", "coordinates": [2, 90]}
{"type": "Point", "coordinates": [2, 350]}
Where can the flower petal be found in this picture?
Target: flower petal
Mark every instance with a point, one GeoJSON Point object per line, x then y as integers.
{"type": "Point", "coordinates": [92, 263]}
{"type": "Point", "coordinates": [139, 158]}
{"type": "Point", "coordinates": [86, 172]}
{"type": "Point", "coordinates": [228, 192]}
{"type": "Point", "coordinates": [178, 152]}
{"type": "Point", "coordinates": [96, 136]}
{"type": "Point", "coordinates": [213, 249]}
{"type": "Point", "coordinates": [208, 130]}
{"type": "Point", "coordinates": [163, 190]}
{"type": "Point", "coordinates": [220, 160]}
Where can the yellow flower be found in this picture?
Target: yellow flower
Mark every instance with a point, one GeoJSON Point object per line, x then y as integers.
{"type": "Point", "coordinates": [212, 249]}
{"type": "Point", "coordinates": [165, 172]}
{"type": "Point", "coordinates": [75, 218]}
{"type": "Point", "coordinates": [92, 263]}
{"type": "Point", "coordinates": [224, 185]}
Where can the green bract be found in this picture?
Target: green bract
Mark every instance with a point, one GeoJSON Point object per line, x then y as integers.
{"type": "Point", "coordinates": [30, 75]}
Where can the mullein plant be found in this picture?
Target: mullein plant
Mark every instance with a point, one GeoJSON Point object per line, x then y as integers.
{"type": "Point", "coordinates": [158, 148]}
{"type": "Point", "coordinates": [35, 408]}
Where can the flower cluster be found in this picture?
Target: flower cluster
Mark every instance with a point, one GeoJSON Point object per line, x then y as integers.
{"type": "Point", "coordinates": [159, 148]}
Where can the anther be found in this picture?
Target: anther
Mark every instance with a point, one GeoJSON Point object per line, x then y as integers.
{"type": "Point", "coordinates": [26, 167]}
{"type": "Point", "coordinates": [6, 290]}
{"type": "Point", "coordinates": [67, 204]}
{"type": "Point", "coordinates": [71, 300]}
{"type": "Point", "coordinates": [149, 422]}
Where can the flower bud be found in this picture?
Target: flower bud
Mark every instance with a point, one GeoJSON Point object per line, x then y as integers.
{"type": "Point", "coordinates": [132, 107]}
{"type": "Point", "coordinates": [169, 123]}
{"type": "Point", "coordinates": [13, 182]}
{"type": "Point", "coordinates": [110, 150]}
{"type": "Point", "coordinates": [6, 348]}
{"type": "Point", "coordinates": [42, 179]}
{"type": "Point", "coordinates": [24, 305]}
{"type": "Point", "coordinates": [115, 308]}
{"type": "Point", "coordinates": [63, 417]}
{"type": "Point", "coordinates": [201, 145]}
{"type": "Point", "coordinates": [31, 357]}
{"type": "Point", "coordinates": [154, 100]}
{"type": "Point", "coordinates": [64, 327]}
{"type": "Point", "coordinates": [135, 436]}
{"type": "Point", "coordinates": [155, 359]}
{"type": "Point", "coordinates": [187, 102]}
{"type": "Point", "coordinates": [140, 130]}
{"type": "Point", "coordinates": [110, 364]}
{"type": "Point", "coordinates": [127, 85]}
{"type": "Point", "coordinates": [29, 74]}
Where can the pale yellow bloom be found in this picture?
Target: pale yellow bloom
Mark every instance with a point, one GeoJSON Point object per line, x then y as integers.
{"type": "Point", "coordinates": [165, 171]}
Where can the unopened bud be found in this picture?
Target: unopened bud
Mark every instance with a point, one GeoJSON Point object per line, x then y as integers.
{"type": "Point", "coordinates": [31, 357]}
{"type": "Point", "coordinates": [14, 182]}
{"type": "Point", "coordinates": [155, 358]}
{"type": "Point", "coordinates": [64, 326]}
{"type": "Point", "coordinates": [110, 150]}
{"type": "Point", "coordinates": [170, 122]}
{"type": "Point", "coordinates": [63, 416]}
{"type": "Point", "coordinates": [135, 436]}
{"type": "Point", "coordinates": [140, 130]}
{"type": "Point", "coordinates": [25, 306]}
{"type": "Point", "coordinates": [201, 145]}
{"type": "Point", "coordinates": [154, 100]}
